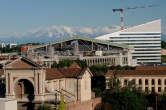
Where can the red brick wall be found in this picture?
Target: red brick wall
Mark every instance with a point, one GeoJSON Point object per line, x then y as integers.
{"type": "Point", "coordinates": [87, 105]}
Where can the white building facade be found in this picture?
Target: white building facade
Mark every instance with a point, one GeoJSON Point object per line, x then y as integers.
{"type": "Point", "coordinates": [145, 38]}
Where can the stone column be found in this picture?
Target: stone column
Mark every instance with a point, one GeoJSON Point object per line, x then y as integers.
{"type": "Point", "coordinates": [136, 82]}
{"type": "Point", "coordinates": [143, 84]}
{"type": "Point", "coordinates": [150, 84]}
{"type": "Point", "coordinates": [40, 83]}
{"type": "Point", "coordinates": [122, 82]}
{"type": "Point", "coordinates": [7, 83]}
{"type": "Point", "coordinates": [36, 82]}
{"type": "Point", "coordinates": [156, 85]}
{"type": "Point", "coordinates": [11, 85]}
{"type": "Point", "coordinates": [162, 85]}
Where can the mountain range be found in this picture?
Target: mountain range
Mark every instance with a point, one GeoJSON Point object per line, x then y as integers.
{"type": "Point", "coordinates": [54, 33]}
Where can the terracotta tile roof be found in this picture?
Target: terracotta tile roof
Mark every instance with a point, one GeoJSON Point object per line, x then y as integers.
{"type": "Point", "coordinates": [53, 74]}
{"type": "Point", "coordinates": [136, 72]}
{"type": "Point", "coordinates": [62, 73]}
{"type": "Point", "coordinates": [151, 68]}
{"type": "Point", "coordinates": [163, 51]}
{"type": "Point", "coordinates": [70, 72]}
{"type": "Point", "coordinates": [74, 65]}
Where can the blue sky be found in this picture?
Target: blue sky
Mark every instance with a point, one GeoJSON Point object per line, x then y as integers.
{"type": "Point", "coordinates": [23, 15]}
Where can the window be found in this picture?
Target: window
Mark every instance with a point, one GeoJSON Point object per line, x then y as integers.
{"type": "Point", "coordinates": [146, 89]}
{"type": "Point", "coordinates": [125, 82]}
{"type": "Point", "coordinates": [165, 81]}
{"type": "Point", "coordinates": [146, 81]}
{"type": "Point", "coordinates": [159, 89]}
{"type": "Point", "coordinates": [140, 82]}
{"type": "Point", "coordinates": [153, 82]}
{"type": "Point", "coordinates": [159, 81]}
{"type": "Point", "coordinates": [153, 89]}
{"type": "Point", "coordinates": [133, 81]}
{"type": "Point", "coordinates": [164, 89]}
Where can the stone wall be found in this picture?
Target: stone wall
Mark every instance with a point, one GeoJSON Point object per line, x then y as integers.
{"type": "Point", "coordinates": [86, 105]}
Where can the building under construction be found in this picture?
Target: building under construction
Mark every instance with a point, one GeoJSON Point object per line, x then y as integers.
{"type": "Point", "coordinates": [91, 50]}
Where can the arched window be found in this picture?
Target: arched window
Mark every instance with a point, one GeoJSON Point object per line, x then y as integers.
{"type": "Point", "coordinates": [146, 81]}
{"type": "Point", "coordinates": [159, 81]}
{"type": "Point", "coordinates": [140, 82]}
{"type": "Point", "coordinates": [153, 82]}
{"type": "Point", "coordinates": [125, 82]}
{"type": "Point", "coordinates": [133, 81]}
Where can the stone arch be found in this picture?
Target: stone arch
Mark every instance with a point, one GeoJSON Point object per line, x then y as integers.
{"type": "Point", "coordinates": [29, 79]}
{"type": "Point", "coordinates": [24, 89]}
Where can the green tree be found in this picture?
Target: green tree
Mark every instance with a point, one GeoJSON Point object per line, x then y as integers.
{"type": "Point", "coordinates": [62, 104]}
{"type": "Point", "coordinates": [124, 98]}
{"type": "Point", "coordinates": [99, 70]}
{"type": "Point", "coordinates": [163, 44]}
{"type": "Point", "coordinates": [54, 65]}
{"type": "Point", "coordinates": [44, 107]}
{"type": "Point", "coordinates": [68, 62]}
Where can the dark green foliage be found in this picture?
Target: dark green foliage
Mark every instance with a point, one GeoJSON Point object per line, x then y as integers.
{"type": "Point", "coordinates": [124, 98]}
{"type": "Point", "coordinates": [98, 79]}
{"type": "Point", "coordinates": [99, 70]}
{"type": "Point", "coordinates": [163, 59]}
{"type": "Point", "coordinates": [44, 107]}
{"type": "Point", "coordinates": [2, 87]}
{"type": "Point", "coordinates": [156, 99]}
{"type": "Point", "coordinates": [163, 44]}
{"type": "Point", "coordinates": [54, 65]}
{"type": "Point", "coordinates": [68, 62]}
{"type": "Point", "coordinates": [121, 68]}
{"type": "Point", "coordinates": [98, 85]}
{"type": "Point", "coordinates": [8, 50]}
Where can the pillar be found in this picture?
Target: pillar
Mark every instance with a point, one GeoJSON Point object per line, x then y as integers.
{"type": "Point", "coordinates": [156, 85]}
{"type": "Point", "coordinates": [136, 82]}
{"type": "Point", "coordinates": [150, 84]}
{"type": "Point", "coordinates": [143, 84]}
{"type": "Point", "coordinates": [162, 85]}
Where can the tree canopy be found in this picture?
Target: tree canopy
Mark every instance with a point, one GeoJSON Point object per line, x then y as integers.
{"type": "Point", "coordinates": [124, 98]}
{"type": "Point", "coordinates": [67, 63]}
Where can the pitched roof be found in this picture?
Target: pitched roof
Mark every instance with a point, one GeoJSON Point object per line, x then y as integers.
{"type": "Point", "coordinates": [135, 72]}
{"type": "Point", "coordinates": [74, 65]}
{"type": "Point", "coordinates": [151, 68]}
{"type": "Point", "coordinates": [70, 72]}
{"type": "Point", "coordinates": [62, 73]}
{"type": "Point", "coordinates": [22, 62]}
{"type": "Point", "coordinates": [53, 74]}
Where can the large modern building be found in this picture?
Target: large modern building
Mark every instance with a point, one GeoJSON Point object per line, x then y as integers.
{"type": "Point", "coordinates": [145, 38]}
{"type": "Point", "coordinates": [90, 50]}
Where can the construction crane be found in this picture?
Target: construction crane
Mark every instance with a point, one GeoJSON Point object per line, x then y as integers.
{"type": "Point", "coordinates": [121, 10]}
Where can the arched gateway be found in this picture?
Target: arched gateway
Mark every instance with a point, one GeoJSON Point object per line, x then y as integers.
{"type": "Point", "coordinates": [25, 80]}
{"type": "Point", "coordinates": [23, 89]}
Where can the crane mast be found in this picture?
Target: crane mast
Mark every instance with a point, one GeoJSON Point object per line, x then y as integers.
{"type": "Point", "coordinates": [121, 10]}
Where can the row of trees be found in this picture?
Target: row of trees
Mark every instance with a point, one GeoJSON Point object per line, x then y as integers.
{"type": "Point", "coordinates": [130, 97]}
